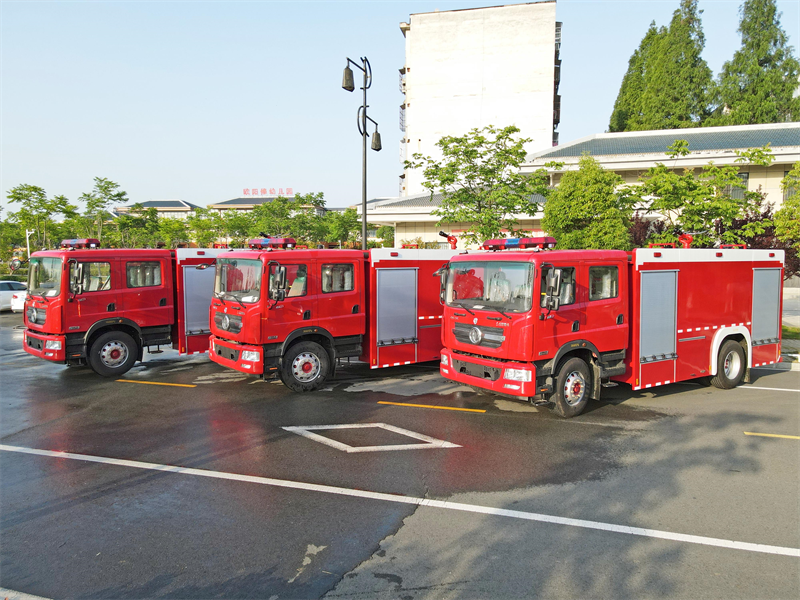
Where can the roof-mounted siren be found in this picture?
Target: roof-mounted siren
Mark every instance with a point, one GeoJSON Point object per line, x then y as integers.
{"type": "Point", "coordinates": [538, 243]}
{"type": "Point", "coordinates": [76, 244]}
{"type": "Point", "coordinates": [272, 243]}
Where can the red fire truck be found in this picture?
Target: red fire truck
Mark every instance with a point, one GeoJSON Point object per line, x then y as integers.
{"type": "Point", "coordinates": [293, 313]}
{"type": "Point", "coordinates": [102, 307]}
{"type": "Point", "coordinates": [551, 326]}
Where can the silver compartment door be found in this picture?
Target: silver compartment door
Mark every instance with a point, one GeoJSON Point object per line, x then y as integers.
{"type": "Point", "coordinates": [198, 289]}
{"type": "Point", "coordinates": [397, 306]}
{"type": "Point", "coordinates": [658, 303]}
{"type": "Point", "coordinates": [766, 305]}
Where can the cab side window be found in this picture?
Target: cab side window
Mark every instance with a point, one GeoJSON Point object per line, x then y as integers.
{"type": "Point", "coordinates": [143, 274]}
{"type": "Point", "coordinates": [96, 277]}
{"type": "Point", "coordinates": [603, 283]}
{"type": "Point", "coordinates": [296, 280]}
{"type": "Point", "coordinates": [567, 295]}
{"type": "Point", "coordinates": [337, 278]}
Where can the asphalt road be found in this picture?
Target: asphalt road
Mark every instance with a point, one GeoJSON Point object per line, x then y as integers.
{"type": "Point", "coordinates": [198, 490]}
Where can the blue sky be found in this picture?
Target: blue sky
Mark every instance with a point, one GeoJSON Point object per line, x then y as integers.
{"type": "Point", "coordinates": [199, 100]}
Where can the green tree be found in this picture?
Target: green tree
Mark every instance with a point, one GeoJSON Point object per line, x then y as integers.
{"type": "Point", "coordinates": [103, 197]}
{"type": "Point", "coordinates": [237, 225]}
{"type": "Point", "coordinates": [590, 208]}
{"type": "Point", "coordinates": [701, 202]}
{"type": "Point", "coordinates": [386, 233]}
{"type": "Point", "coordinates": [204, 227]}
{"type": "Point", "coordinates": [628, 111]}
{"type": "Point", "coordinates": [342, 226]}
{"type": "Point", "coordinates": [173, 231]}
{"type": "Point", "coordinates": [787, 218]}
{"type": "Point", "coordinates": [37, 212]}
{"type": "Point", "coordinates": [137, 228]}
{"type": "Point", "coordinates": [677, 81]}
{"type": "Point", "coordinates": [479, 179]}
{"type": "Point", "coordinates": [758, 84]}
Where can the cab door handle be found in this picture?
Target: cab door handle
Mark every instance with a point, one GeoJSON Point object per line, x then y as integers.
{"type": "Point", "coordinates": [620, 319]}
{"type": "Point", "coordinates": [576, 326]}
{"type": "Point", "coordinates": [307, 315]}
{"type": "Point", "coordinates": [111, 307]}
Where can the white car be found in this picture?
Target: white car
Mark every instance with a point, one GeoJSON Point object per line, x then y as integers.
{"type": "Point", "coordinates": [18, 301]}
{"type": "Point", "coordinates": [7, 289]}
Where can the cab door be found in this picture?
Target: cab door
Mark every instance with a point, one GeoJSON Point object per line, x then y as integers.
{"type": "Point", "coordinates": [299, 308]}
{"type": "Point", "coordinates": [559, 327]}
{"type": "Point", "coordinates": [95, 293]}
{"type": "Point", "coordinates": [606, 323]}
{"type": "Point", "coordinates": [148, 291]}
{"type": "Point", "coordinates": [341, 301]}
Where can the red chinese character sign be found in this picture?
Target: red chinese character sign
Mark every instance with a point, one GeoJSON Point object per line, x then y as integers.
{"type": "Point", "coordinates": [267, 191]}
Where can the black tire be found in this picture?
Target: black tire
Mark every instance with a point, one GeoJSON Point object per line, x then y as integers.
{"type": "Point", "coordinates": [305, 367]}
{"type": "Point", "coordinates": [731, 366]}
{"type": "Point", "coordinates": [573, 388]}
{"type": "Point", "coordinates": [113, 354]}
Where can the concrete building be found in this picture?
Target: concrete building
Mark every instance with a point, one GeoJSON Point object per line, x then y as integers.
{"type": "Point", "coordinates": [471, 68]}
{"type": "Point", "coordinates": [629, 154]}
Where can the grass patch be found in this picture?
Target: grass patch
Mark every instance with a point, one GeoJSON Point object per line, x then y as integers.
{"type": "Point", "coordinates": [791, 333]}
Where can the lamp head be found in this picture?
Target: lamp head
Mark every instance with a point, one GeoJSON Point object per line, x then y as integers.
{"type": "Point", "coordinates": [376, 141]}
{"type": "Point", "coordinates": [347, 79]}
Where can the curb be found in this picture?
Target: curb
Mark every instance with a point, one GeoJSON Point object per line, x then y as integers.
{"type": "Point", "coordinates": [789, 362]}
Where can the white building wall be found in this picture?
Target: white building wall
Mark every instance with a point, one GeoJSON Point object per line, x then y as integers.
{"type": "Point", "coordinates": [471, 68]}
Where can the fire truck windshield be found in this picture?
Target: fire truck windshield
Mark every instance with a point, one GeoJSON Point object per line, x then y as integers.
{"type": "Point", "coordinates": [490, 285]}
{"type": "Point", "coordinates": [44, 276]}
{"type": "Point", "coordinates": [238, 279]}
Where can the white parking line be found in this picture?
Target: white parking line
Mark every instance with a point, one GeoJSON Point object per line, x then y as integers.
{"type": "Point", "coordinates": [443, 504]}
{"type": "Point", "coordinates": [7, 594]}
{"type": "Point", "coordinates": [753, 387]}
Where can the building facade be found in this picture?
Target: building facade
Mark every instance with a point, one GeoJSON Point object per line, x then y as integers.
{"type": "Point", "coordinates": [171, 209]}
{"type": "Point", "coordinates": [472, 68]}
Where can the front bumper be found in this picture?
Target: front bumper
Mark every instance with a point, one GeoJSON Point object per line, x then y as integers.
{"type": "Point", "coordinates": [229, 354]}
{"type": "Point", "coordinates": [487, 374]}
{"type": "Point", "coordinates": [36, 344]}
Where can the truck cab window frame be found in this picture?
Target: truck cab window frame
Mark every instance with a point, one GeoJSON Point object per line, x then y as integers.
{"type": "Point", "coordinates": [568, 284]}
{"type": "Point", "coordinates": [141, 273]}
{"type": "Point", "coordinates": [339, 277]}
{"type": "Point", "coordinates": [96, 277]}
{"type": "Point", "coordinates": [603, 282]}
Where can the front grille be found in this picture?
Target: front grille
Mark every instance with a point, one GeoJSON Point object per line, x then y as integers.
{"type": "Point", "coordinates": [226, 353]}
{"type": "Point", "coordinates": [234, 322]}
{"type": "Point", "coordinates": [35, 343]}
{"type": "Point", "coordinates": [490, 337]}
{"type": "Point", "coordinates": [475, 370]}
{"type": "Point", "coordinates": [41, 315]}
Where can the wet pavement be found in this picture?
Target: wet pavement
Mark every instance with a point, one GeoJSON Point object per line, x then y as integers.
{"type": "Point", "coordinates": [261, 511]}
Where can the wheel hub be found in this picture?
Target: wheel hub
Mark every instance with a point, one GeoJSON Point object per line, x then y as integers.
{"type": "Point", "coordinates": [113, 354]}
{"type": "Point", "coordinates": [732, 365]}
{"type": "Point", "coordinates": [574, 388]}
{"type": "Point", "coordinates": [306, 367]}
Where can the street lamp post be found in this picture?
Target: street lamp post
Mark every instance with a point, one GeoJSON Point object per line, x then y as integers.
{"type": "Point", "coordinates": [361, 120]}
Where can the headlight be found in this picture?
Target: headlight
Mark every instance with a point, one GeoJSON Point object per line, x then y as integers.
{"type": "Point", "coordinates": [517, 374]}
{"type": "Point", "coordinates": [52, 345]}
{"type": "Point", "coordinates": [251, 356]}
{"type": "Point", "coordinates": [445, 360]}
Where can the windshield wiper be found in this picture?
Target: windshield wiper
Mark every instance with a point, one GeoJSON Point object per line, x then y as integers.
{"type": "Point", "coordinates": [221, 295]}
{"type": "Point", "coordinates": [464, 307]}
{"type": "Point", "coordinates": [500, 311]}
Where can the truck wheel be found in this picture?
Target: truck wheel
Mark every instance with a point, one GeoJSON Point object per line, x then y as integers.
{"type": "Point", "coordinates": [730, 366]}
{"type": "Point", "coordinates": [113, 354]}
{"type": "Point", "coordinates": [305, 367]}
{"type": "Point", "coordinates": [573, 388]}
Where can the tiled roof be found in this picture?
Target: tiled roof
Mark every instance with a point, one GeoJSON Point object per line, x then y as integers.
{"type": "Point", "coordinates": [179, 204]}
{"type": "Point", "coordinates": [422, 201]}
{"type": "Point", "coordinates": [656, 142]}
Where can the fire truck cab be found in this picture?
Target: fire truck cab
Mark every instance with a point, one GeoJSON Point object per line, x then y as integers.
{"type": "Point", "coordinates": [552, 326]}
{"type": "Point", "coordinates": [293, 313]}
{"type": "Point", "coordinates": [103, 307]}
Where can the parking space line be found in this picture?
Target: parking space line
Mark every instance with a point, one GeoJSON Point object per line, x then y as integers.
{"type": "Point", "coordinates": [156, 383]}
{"type": "Point", "coordinates": [775, 435]}
{"type": "Point", "coordinates": [426, 502]}
{"type": "Point", "coordinates": [476, 410]}
{"type": "Point", "coordinates": [753, 387]}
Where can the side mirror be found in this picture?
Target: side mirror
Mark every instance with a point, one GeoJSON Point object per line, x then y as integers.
{"type": "Point", "coordinates": [277, 284]}
{"type": "Point", "coordinates": [553, 289]}
{"type": "Point", "coordinates": [76, 283]}
{"type": "Point", "coordinates": [442, 273]}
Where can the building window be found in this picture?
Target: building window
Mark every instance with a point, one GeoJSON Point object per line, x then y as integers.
{"type": "Point", "coordinates": [143, 274]}
{"type": "Point", "coordinates": [337, 278]}
{"type": "Point", "coordinates": [603, 283]}
{"type": "Point", "coordinates": [790, 190]}
{"type": "Point", "coordinates": [736, 192]}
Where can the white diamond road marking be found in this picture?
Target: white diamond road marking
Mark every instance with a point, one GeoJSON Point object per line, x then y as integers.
{"type": "Point", "coordinates": [429, 442]}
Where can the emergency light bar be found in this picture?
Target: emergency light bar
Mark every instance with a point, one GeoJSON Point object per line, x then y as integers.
{"type": "Point", "coordinates": [520, 243]}
{"type": "Point", "coordinates": [266, 243]}
{"type": "Point", "coordinates": [80, 243]}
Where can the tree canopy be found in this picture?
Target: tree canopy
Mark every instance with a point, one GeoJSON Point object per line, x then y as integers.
{"type": "Point", "coordinates": [480, 182]}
